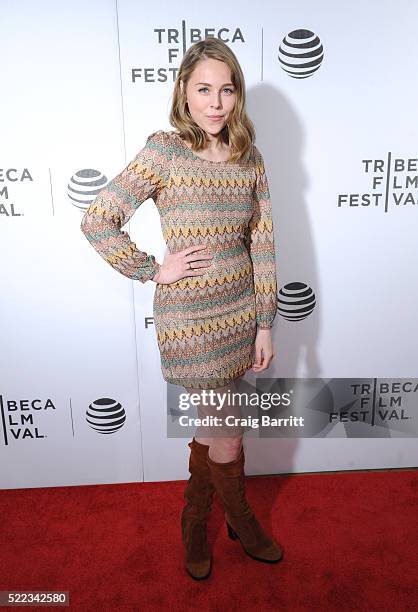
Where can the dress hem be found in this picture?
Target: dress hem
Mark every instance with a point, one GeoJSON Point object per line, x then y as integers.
{"type": "Point", "coordinates": [209, 383]}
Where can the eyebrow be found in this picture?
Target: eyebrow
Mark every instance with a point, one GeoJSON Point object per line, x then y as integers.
{"type": "Point", "coordinates": [210, 84]}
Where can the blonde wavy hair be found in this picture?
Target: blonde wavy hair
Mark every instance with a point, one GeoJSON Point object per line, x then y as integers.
{"type": "Point", "coordinates": [239, 132]}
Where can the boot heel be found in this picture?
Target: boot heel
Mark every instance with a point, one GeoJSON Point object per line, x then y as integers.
{"type": "Point", "coordinates": [232, 534]}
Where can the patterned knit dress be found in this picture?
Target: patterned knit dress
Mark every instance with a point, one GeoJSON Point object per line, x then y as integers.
{"type": "Point", "coordinates": [206, 324]}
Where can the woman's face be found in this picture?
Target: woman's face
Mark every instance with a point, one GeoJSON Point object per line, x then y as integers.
{"type": "Point", "coordinates": [210, 93]}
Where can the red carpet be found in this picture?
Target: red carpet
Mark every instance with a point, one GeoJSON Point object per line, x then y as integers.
{"type": "Point", "coordinates": [349, 538]}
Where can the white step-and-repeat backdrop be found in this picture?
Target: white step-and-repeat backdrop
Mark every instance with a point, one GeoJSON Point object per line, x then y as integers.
{"type": "Point", "coordinates": [83, 85]}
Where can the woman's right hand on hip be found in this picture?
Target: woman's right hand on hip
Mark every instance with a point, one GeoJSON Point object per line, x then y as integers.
{"type": "Point", "coordinates": [188, 262]}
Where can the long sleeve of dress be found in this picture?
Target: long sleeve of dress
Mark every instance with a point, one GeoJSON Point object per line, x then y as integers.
{"type": "Point", "coordinates": [262, 249]}
{"type": "Point", "coordinates": [115, 204]}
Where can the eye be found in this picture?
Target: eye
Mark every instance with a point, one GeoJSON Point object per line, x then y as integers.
{"type": "Point", "coordinates": [225, 89]}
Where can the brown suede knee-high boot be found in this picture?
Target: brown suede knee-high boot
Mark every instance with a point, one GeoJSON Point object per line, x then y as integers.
{"type": "Point", "coordinates": [198, 494]}
{"type": "Point", "coordinates": [229, 482]}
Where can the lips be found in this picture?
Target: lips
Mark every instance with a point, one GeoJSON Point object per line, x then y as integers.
{"type": "Point", "coordinates": [215, 116]}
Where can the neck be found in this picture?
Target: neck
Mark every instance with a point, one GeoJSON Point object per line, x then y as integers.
{"type": "Point", "coordinates": [215, 143]}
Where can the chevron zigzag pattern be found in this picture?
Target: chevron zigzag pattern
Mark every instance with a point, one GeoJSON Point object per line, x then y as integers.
{"type": "Point", "coordinates": [206, 325]}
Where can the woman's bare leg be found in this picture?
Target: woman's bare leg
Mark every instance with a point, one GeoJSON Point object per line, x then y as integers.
{"type": "Point", "coordinates": [224, 441]}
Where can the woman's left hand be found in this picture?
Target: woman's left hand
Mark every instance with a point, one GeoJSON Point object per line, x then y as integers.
{"type": "Point", "coordinates": [263, 350]}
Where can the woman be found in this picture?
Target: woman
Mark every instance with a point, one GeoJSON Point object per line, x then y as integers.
{"type": "Point", "coordinates": [215, 299]}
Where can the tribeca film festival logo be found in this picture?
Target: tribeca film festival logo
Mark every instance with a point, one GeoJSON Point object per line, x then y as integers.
{"type": "Point", "coordinates": [381, 407]}
{"type": "Point", "coordinates": [20, 418]}
{"type": "Point", "coordinates": [177, 40]}
{"type": "Point", "coordinates": [393, 183]}
{"type": "Point", "coordinates": [9, 177]}
{"type": "Point", "coordinates": [388, 403]}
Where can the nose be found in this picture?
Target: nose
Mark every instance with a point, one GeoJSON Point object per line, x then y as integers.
{"type": "Point", "coordinates": [216, 100]}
